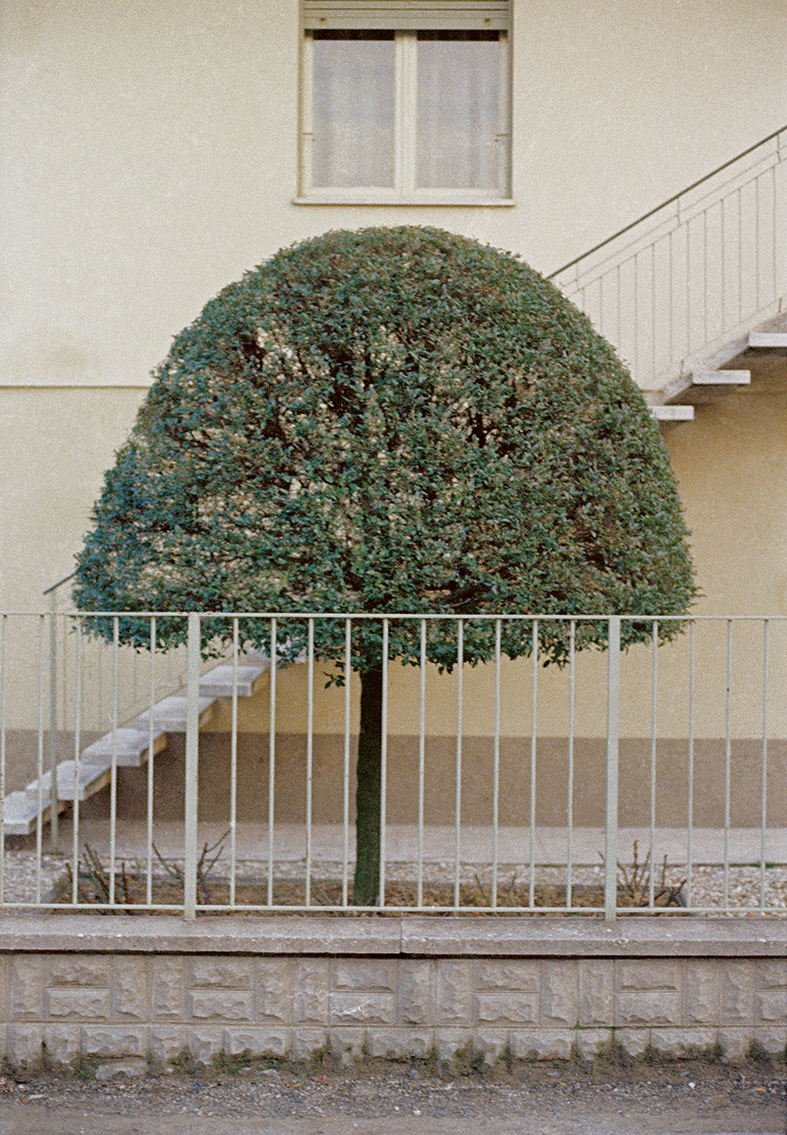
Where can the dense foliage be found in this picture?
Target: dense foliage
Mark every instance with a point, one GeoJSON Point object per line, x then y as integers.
{"type": "Point", "coordinates": [392, 420]}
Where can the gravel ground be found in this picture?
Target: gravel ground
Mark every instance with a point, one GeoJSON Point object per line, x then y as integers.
{"type": "Point", "coordinates": [678, 1097]}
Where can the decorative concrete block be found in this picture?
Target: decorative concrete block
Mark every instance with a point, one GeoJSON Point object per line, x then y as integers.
{"type": "Point", "coordinates": [310, 981]}
{"type": "Point", "coordinates": [357, 1007]}
{"type": "Point", "coordinates": [592, 1043]}
{"type": "Point", "coordinates": [273, 990]}
{"type": "Point", "coordinates": [700, 993]}
{"type": "Point", "coordinates": [264, 1041]}
{"type": "Point", "coordinates": [166, 1043]}
{"type": "Point", "coordinates": [734, 1042]}
{"type": "Point", "coordinates": [596, 992]}
{"type": "Point", "coordinates": [129, 988]}
{"type": "Point", "coordinates": [491, 1044]}
{"type": "Point", "coordinates": [166, 981]}
{"type": "Point", "coordinates": [79, 971]}
{"type": "Point", "coordinates": [348, 1044]}
{"type": "Point", "coordinates": [648, 1007]}
{"type": "Point", "coordinates": [120, 1040]}
{"type": "Point", "coordinates": [360, 973]}
{"type": "Point", "coordinates": [448, 1042]}
{"type": "Point", "coordinates": [25, 1043]}
{"type": "Point", "coordinates": [770, 1007]}
{"type": "Point", "coordinates": [220, 1005]}
{"type": "Point", "coordinates": [225, 973]}
{"type": "Point", "coordinates": [85, 1004]}
{"type": "Point", "coordinates": [542, 1044]}
{"type": "Point", "coordinates": [307, 1041]}
{"type": "Point", "coordinates": [62, 1043]}
{"type": "Point", "coordinates": [27, 988]}
{"type": "Point", "coordinates": [651, 973]}
{"type": "Point", "coordinates": [399, 1043]}
{"type": "Point", "coordinates": [634, 1042]}
{"type": "Point", "coordinates": [453, 993]}
{"type": "Point", "coordinates": [773, 1039]}
{"type": "Point", "coordinates": [559, 994]}
{"type": "Point", "coordinates": [205, 1043]}
{"type": "Point", "coordinates": [415, 992]}
{"type": "Point", "coordinates": [504, 974]}
{"type": "Point", "coordinates": [514, 1008]}
{"type": "Point", "coordinates": [681, 1043]}
{"type": "Point", "coordinates": [737, 994]}
{"type": "Point", "coordinates": [772, 974]}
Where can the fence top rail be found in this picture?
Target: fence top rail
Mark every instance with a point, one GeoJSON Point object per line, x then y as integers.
{"type": "Point", "coordinates": [390, 615]}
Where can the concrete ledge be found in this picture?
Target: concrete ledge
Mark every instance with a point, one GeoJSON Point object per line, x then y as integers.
{"type": "Point", "coordinates": [398, 936]}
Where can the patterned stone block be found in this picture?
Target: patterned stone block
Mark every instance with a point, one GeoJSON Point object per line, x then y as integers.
{"type": "Point", "coordinates": [310, 983]}
{"type": "Point", "coordinates": [700, 993]}
{"type": "Point", "coordinates": [449, 1042]}
{"type": "Point", "coordinates": [166, 983]}
{"type": "Point", "coordinates": [737, 994]}
{"type": "Point", "coordinates": [27, 988]}
{"type": "Point", "coordinates": [398, 1043]}
{"type": "Point", "coordinates": [770, 1007]}
{"type": "Point", "coordinates": [542, 1044]}
{"type": "Point", "coordinates": [225, 973]}
{"type": "Point", "coordinates": [734, 1042]}
{"type": "Point", "coordinates": [362, 1008]}
{"type": "Point", "coordinates": [273, 989]}
{"type": "Point", "coordinates": [5, 989]}
{"type": "Point", "coordinates": [648, 1007]}
{"type": "Point", "coordinates": [514, 1008]}
{"type": "Point", "coordinates": [559, 994]}
{"type": "Point", "coordinates": [772, 974]}
{"type": "Point", "coordinates": [348, 1044]}
{"type": "Point", "coordinates": [504, 974]}
{"type": "Point", "coordinates": [648, 974]}
{"type": "Point", "coordinates": [634, 1042]}
{"type": "Point", "coordinates": [166, 1043]}
{"type": "Point", "coordinates": [592, 1043]}
{"type": "Point", "coordinates": [129, 988]}
{"type": "Point", "coordinates": [220, 1005]}
{"type": "Point", "coordinates": [773, 1039]}
{"type": "Point", "coordinates": [681, 1043]}
{"type": "Point", "coordinates": [415, 992]}
{"type": "Point", "coordinates": [596, 992]}
{"type": "Point", "coordinates": [359, 973]}
{"type": "Point", "coordinates": [205, 1043]}
{"type": "Point", "coordinates": [24, 1044]}
{"type": "Point", "coordinates": [264, 1041]}
{"type": "Point", "coordinates": [491, 1044]}
{"type": "Point", "coordinates": [79, 971]}
{"type": "Point", "coordinates": [454, 993]}
{"type": "Point", "coordinates": [118, 1040]}
{"type": "Point", "coordinates": [78, 1004]}
{"type": "Point", "coordinates": [62, 1043]}
{"type": "Point", "coordinates": [307, 1041]}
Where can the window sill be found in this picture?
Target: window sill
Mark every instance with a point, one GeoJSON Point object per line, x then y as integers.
{"type": "Point", "coordinates": [397, 202]}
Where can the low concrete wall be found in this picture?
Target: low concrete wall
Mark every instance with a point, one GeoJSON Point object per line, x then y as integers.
{"type": "Point", "coordinates": [400, 987]}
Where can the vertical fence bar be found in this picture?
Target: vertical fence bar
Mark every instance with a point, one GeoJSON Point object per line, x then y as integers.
{"type": "Point", "coordinates": [533, 733]}
{"type": "Point", "coordinates": [234, 763]}
{"type": "Point", "coordinates": [346, 796]}
{"type": "Point", "coordinates": [40, 758]}
{"type": "Point", "coordinates": [496, 767]}
{"type": "Point", "coordinates": [151, 758]}
{"type": "Point", "coordinates": [309, 756]}
{"type": "Point", "coordinates": [77, 755]}
{"type": "Point", "coordinates": [460, 658]}
{"type": "Point", "coordinates": [727, 763]}
{"type": "Point", "coordinates": [570, 800]}
{"type": "Point", "coordinates": [54, 820]}
{"type": "Point", "coordinates": [764, 768]}
{"type": "Point", "coordinates": [613, 741]}
{"type": "Point", "coordinates": [690, 801]}
{"type": "Point", "coordinates": [3, 629]}
{"type": "Point", "coordinates": [421, 764]}
{"type": "Point", "coordinates": [192, 768]}
{"type": "Point", "coordinates": [113, 775]}
{"type": "Point", "coordinates": [272, 756]}
{"type": "Point", "coordinates": [384, 763]}
{"type": "Point", "coordinates": [653, 703]}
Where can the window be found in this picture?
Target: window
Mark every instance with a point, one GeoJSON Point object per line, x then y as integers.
{"type": "Point", "coordinates": [405, 101]}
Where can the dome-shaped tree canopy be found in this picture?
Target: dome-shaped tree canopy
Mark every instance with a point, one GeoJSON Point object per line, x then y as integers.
{"type": "Point", "coordinates": [392, 420]}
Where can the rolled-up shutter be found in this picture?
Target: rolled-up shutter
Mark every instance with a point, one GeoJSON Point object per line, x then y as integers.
{"type": "Point", "coordinates": [399, 15]}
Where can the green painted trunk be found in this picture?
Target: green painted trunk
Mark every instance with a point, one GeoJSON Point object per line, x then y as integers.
{"type": "Point", "coordinates": [369, 785]}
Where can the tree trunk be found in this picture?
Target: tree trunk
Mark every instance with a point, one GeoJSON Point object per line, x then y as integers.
{"type": "Point", "coordinates": [367, 795]}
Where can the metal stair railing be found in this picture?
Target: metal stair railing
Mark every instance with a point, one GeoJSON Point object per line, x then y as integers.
{"type": "Point", "coordinates": [698, 270]}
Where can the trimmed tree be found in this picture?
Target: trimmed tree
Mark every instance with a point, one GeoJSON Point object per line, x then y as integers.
{"type": "Point", "coordinates": [391, 420]}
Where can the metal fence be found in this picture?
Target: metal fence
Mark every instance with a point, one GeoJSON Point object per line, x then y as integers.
{"type": "Point", "coordinates": [646, 778]}
{"type": "Point", "coordinates": [694, 273]}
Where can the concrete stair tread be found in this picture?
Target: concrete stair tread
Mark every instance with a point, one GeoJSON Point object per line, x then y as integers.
{"type": "Point", "coordinates": [769, 340]}
{"type": "Point", "coordinates": [218, 682]}
{"type": "Point", "coordinates": [169, 714]}
{"type": "Point", "coordinates": [130, 746]}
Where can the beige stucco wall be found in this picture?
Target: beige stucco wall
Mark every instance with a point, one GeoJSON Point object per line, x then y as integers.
{"type": "Point", "coordinates": [154, 152]}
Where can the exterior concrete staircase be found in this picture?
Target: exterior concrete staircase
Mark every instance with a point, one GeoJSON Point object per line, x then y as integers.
{"type": "Point", "coordinates": [754, 362]}
{"type": "Point", "coordinates": [128, 747]}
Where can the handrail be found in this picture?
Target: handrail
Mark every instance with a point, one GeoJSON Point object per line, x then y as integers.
{"type": "Point", "coordinates": [59, 583]}
{"type": "Point", "coordinates": [670, 201]}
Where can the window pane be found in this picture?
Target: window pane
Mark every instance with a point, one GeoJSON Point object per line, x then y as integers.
{"type": "Point", "coordinates": [458, 111]}
{"type": "Point", "coordinates": [353, 111]}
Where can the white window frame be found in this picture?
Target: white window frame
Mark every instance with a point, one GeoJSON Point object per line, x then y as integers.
{"type": "Point", "coordinates": [391, 16]}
